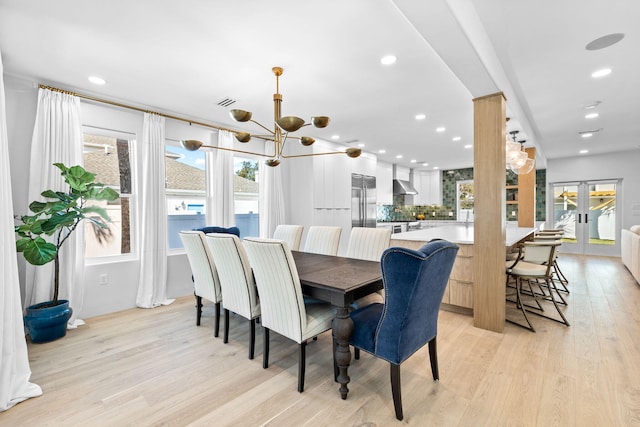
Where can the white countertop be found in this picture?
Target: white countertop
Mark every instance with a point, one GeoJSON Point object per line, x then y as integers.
{"type": "Point", "coordinates": [461, 234]}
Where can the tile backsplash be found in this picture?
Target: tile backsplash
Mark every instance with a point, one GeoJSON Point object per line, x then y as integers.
{"type": "Point", "coordinates": [447, 211]}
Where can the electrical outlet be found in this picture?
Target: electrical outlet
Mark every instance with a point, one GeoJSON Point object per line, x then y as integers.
{"type": "Point", "coordinates": [103, 279]}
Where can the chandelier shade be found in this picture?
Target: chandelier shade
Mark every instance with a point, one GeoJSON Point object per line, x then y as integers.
{"type": "Point", "coordinates": [282, 126]}
{"type": "Point", "coordinates": [517, 159]}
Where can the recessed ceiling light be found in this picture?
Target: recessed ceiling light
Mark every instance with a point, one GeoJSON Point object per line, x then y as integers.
{"type": "Point", "coordinates": [399, 156]}
{"type": "Point", "coordinates": [425, 164]}
{"type": "Point", "coordinates": [601, 73]}
{"type": "Point", "coordinates": [97, 80]}
{"type": "Point", "coordinates": [413, 160]}
{"type": "Point", "coordinates": [456, 138]}
{"type": "Point", "coordinates": [468, 146]}
{"type": "Point", "coordinates": [361, 145]}
{"type": "Point", "coordinates": [441, 129]}
{"type": "Point", "coordinates": [388, 60]}
{"type": "Point", "coordinates": [335, 136]}
{"type": "Point", "coordinates": [382, 151]}
{"type": "Point", "coordinates": [605, 41]}
{"type": "Point", "coordinates": [591, 116]}
{"type": "Point", "coordinates": [435, 168]}
{"type": "Point", "coordinates": [584, 151]}
{"type": "Point", "coordinates": [421, 116]}
{"type": "Point", "coordinates": [586, 135]}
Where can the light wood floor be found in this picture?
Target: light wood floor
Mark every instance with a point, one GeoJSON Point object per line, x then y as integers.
{"type": "Point", "coordinates": [156, 368]}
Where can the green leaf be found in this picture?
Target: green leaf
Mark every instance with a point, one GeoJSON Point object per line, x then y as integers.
{"type": "Point", "coordinates": [59, 221]}
{"type": "Point", "coordinates": [50, 194]}
{"type": "Point", "coordinates": [39, 251]}
{"type": "Point", "coordinates": [36, 207]}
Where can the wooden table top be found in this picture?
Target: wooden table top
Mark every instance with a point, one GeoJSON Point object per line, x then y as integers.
{"type": "Point", "coordinates": [348, 277]}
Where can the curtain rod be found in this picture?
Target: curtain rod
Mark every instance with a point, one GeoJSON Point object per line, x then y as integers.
{"type": "Point", "coordinates": [130, 107]}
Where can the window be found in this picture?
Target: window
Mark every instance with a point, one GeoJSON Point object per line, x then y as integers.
{"type": "Point", "coordinates": [108, 156]}
{"type": "Point", "coordinates": [185, 191]}
{"type": "Point", "coordinates": [245, 196]}
{"type": "Point", "coordinates": [465, 199]}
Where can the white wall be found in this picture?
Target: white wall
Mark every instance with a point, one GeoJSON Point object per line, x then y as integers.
{"type": "Point", "coordinates": [620, 165]}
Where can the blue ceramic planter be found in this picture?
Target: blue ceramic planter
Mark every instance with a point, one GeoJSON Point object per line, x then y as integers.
{"type": "Point", "coordinates": [47, 323]}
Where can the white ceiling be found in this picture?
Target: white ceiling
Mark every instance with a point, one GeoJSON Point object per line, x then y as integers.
{"type": "Point", "coordinates": [183, 57]}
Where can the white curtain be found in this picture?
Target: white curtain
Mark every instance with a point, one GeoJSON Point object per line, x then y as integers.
{"type": "Point", "coordinates": [57, 138]}
{"type": "Point", "coordinates": [152, 220]}
{"type": "Point", "coordinates": [219, 170]}
{"type": "Point", "coordinates": [271, 198]}
{"type": "Point", "coordinates": [14, 361]}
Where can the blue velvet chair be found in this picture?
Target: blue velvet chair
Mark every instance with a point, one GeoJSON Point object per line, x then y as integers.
{"type": "Point", "coordinates": [414, 283]}
{"type": "Point", "coordinates": [214, 229]}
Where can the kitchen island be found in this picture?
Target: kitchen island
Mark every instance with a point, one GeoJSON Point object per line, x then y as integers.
{"type": "Point", "coordinates": [459, 293]}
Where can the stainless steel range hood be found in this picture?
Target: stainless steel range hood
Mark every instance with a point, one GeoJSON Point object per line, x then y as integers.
{"type": "Point", "coordinates": [403, 187]}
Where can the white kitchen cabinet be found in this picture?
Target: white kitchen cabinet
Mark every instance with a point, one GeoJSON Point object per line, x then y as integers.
{"type": "Point", "coordinates": [331, 179]}
{"type": "Point", "coordinates": [384, 183]}
{"type": "Point", "coordinates": [428, 185]}
{"type": "Point", "coordinates": [364, 165]}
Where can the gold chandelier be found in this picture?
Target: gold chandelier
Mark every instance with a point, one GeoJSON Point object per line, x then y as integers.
{"type": "Point", "coordinates": [282, 126]}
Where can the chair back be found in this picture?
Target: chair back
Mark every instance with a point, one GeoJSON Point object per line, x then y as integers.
{"type": "Point", "coordinates": [291, 234]}
{"type": "Point", "coordinates": [236, 279]}
{"type": "Point", "coordinates": [215, 229]}
{"type": "Point", "coordinates": [368, 243]}
{"type": "Point", "coordinates": [414, 284]}
{"type": "Point", "coordinates": [205, 275]}
{"type": "Point", "coordinates": [540, 252]}
{"type": "Point", "coordinates": [323, 240]}
{"type": "Point", "coordinates": [276, 275]}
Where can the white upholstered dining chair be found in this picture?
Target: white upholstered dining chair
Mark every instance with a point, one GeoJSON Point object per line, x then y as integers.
{"type": "Point", "coordinates": [323, 240]}
{"type": "Point", "coordinates": [368, 243]}
{"type": "Point", "coordinates": [291, 234]}
{"type": "Point", "coordinates": [236, 282]}
{"type": "Point", "coordinates": [204, 274]}
{"type": "Point", "coordinates": [281, 301]}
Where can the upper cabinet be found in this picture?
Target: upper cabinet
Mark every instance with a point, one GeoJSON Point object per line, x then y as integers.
{"type": "Point", "coordinates": [384, 183]}
{"type": "Point", "coordinates": [429, 186]}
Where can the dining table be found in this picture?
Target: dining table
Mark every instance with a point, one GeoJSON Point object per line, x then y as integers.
{"type": "Point", "coordinates": [339, 281]}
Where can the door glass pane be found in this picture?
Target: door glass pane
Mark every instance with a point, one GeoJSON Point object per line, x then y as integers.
{"type": "Point", "coordinates": [602, 214]}
{"type": "Point", "coordinates": [465, 199]}
{"type": "Point", "coordinates": [565, 205]}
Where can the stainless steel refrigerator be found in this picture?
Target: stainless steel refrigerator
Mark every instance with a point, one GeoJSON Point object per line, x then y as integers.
{"type": "Point", "coordinates": [363, 200]}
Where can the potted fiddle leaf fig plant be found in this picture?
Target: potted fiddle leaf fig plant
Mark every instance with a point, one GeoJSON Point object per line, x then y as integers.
{"type": "Point", "coordinates": [42, 234]}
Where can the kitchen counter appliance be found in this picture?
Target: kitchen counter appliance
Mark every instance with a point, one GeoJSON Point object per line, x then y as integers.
{"type": "Point", "coordinates": [363, 200]}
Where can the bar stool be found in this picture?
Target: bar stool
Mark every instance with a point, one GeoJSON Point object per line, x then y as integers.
{"type": "Point", "coordinates": [535, 267]}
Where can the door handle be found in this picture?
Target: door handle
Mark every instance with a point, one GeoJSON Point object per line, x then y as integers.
{"type": "Point", "coordinates": [586, 218]}
{"type": "Point", "coordinates": [579, 218]}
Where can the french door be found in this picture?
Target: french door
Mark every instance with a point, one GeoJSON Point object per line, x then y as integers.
{"type": "Point", "coordinates": [587, 213]}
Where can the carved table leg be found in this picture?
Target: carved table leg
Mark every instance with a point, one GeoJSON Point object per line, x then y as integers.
{"type": "Point", "coordinates": [342, 330]}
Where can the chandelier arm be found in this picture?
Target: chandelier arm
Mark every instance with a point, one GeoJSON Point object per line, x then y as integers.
{"type": "Point", "coordinates": [313, 154]}
{"type": "Point", "coordinates": [263, 127]}
{"type": "Point", "coordinates": [283, 142]}
{"type": "Point", "coordinates": [240, 151]}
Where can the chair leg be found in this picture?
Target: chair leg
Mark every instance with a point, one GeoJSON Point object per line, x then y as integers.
{"type": "Point", "coordinates": [433, 358]}
{"type": "Point", "coordinates": [301, 365]}
{"type": "Point", "coordinates": [520, 305]}
{"type": "Point", "coordinates": [226, 326]}
{"type": "Point", "coordinates": [216, 331]}
{"type": "Point", "coordinates": [198, 309]}
{"type": "Point", "coordinates": [395, 390]}
{"type": "Point", "coordinates": [265, 349]}
{"type": "Point", "coordinates": [252, 338]}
